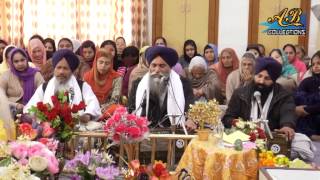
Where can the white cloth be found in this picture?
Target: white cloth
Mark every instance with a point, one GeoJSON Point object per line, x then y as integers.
{"type": "Point", "coordinates": [302, 147]}
{"type": "Point", "coordinates": [175, 99]}
{"type": "Point", "coordinates": [89, 98]}
{"type": "Point", "coordinates": [265, 108]}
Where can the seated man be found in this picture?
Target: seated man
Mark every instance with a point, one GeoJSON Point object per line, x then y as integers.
{"type": "Point", "coordinates": [65, 62]}
{"type": "Point", "coordinates": [161, 91]}
{"type": "Point", "coordinates": [277, 104]}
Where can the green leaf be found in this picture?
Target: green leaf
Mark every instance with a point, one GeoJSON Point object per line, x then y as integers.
{"type": "Point", "coordinates": [56, 122]}
{"type": "Point", "coordinates": [5, 162]}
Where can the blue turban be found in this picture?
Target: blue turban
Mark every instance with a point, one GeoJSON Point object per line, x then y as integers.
{"type": "Point", "coordinates": [169, 55]}
{"type": "Point", "coordinates": [72, 59]}
{"type": "Point", "coordinates": [272, 66]}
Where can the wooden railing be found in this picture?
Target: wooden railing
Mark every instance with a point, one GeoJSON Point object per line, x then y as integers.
{"type": "Point", "coordinates": [171, 138]}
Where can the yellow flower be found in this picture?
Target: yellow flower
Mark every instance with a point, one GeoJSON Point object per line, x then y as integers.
{"type": "Point", "coordinates": [3, 133]}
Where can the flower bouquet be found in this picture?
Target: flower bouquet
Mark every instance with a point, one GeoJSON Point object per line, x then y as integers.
{"type": "Point", "coordinates": [92, 165]}
{"type": "Point", "coordinates": [257, 135]}
{"type": "Point", "coordinates": [127, 127]}
{"type": "Point", "coordinates": [23, 159]}
{"type": "Point", "coordinates": [155, 171]}
{"type": "Point", "coordinates": [56, 120]}
{"type": "Point", "coordinates": [205, 114]}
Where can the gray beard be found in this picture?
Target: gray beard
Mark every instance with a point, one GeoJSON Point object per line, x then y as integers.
{"type": "Point", "coordinates": [58, 86]}
{"type": "Point", "coordinates": [159, 88]}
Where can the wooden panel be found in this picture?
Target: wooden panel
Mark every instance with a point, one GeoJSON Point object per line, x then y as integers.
{"type": "Point", "coordinates": [174, 21]}
{"type": "Point", "coordinates": [197, 16]}
{"type": "Point", "coordinates": [213, 21]}
{"type": "Point", "coordinates": [253, 25]}
{"type": "Point", "coordinates": [306, 7]}
{"type": "Point", "coordinates": [157, 9]}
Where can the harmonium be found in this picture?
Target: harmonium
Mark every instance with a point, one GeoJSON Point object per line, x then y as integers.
{"type": "Point", "coordinates": [280, 144]}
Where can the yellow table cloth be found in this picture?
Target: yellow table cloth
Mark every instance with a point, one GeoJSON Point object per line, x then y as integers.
{"type": "Point", "coordinates": [204, 160]}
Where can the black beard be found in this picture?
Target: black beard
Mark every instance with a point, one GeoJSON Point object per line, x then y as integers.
{"type": "Point", "coordinates": [263, 89]}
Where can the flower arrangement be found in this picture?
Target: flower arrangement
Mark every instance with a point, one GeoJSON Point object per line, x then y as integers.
{"type": "Point", "coordinates": [257, 135]}
{"type": "Point", "coordinates": [205, 113]}
{"type": "Point", "coordinates": [23, 158]}
{"type": "Point", "coordinates": [127, 126]}
{"type": "Point", "coordinates": [92, 165]}
{"type": "Point", "coordinates": [58, 119]}
{"type": "Point", "coordinates": [155, 171]}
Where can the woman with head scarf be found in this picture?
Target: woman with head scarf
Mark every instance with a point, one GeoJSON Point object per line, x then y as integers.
{"type": "Point", "coordinates": [104, 81]}
{"type": "Point", "coordinates": [210, 54]}
{"type": "Point", "coordinates": [110, 47]}
{"type": "Point", "coordinates": [189, 51]}
{"type": "Point", "coordinates": [21, 81]}
{"type": "Point", "coordinates": [242, 76]}
{"type": "Point", "coordinates": [307, 100]}
{"type": "Point", "coordinates": [289, 75]}
{"type": "Point", "coordinates": [4, 66]}
{"type": "Point", "coordinates": [141, 69]}
{"type": "Point", "coordinates": [228, 62]}
{"type": "Point", "coordinates": [37, 52]}
{"type": "Point", "coordinates": [204, 81]}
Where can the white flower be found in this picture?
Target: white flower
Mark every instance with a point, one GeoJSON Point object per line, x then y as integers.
{"type": "Point", "coordinates": [38, 163]}
{"type": "Point", "coordinates": [240, 124]}
{"type": "Point", "coordinates": [252, 125]}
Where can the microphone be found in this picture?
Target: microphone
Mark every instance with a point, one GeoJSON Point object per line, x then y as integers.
{"type": "Point", "coordinates": [257, 96]}
{"type": "Point", "coordinates": [140, 105]}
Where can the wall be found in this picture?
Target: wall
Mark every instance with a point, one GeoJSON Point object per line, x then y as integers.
{"type": "Point", "coordinates": [185, 19]}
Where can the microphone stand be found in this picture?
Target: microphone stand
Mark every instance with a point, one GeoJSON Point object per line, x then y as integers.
{"type": "Point", "coordinates": [264, 121]}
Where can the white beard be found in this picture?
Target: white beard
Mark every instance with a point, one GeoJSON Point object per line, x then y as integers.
{"type": "Point", "coordinates": [58, 86]}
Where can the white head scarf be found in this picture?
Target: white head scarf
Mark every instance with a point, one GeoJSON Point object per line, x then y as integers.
{"type": "Point", "coordinates": [199, 62]}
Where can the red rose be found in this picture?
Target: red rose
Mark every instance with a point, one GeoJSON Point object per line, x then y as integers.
{"type": "Point", "coordinates": [55, 100]}
{"type": "Point", "coordinates": [42, 107]}
{"type": "Point", "coordinates": [116, 137]}
{"type": "Point", "coordinates": [158, 169]}
{"type": "Point", "coordinates": [253, 136]}
{"type": "Point", "coordinates": [116, 117]}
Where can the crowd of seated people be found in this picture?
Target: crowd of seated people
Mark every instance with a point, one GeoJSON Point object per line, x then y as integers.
{"type": "Point", "coordinates": [157, 81]}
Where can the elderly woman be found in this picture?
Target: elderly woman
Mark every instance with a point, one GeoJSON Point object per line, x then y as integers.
{"type": "Point", "coordinates": [307, 99]}
{"type": "Point", "coordinates": [104, 81]}
{"type": "Point", "coordinates": [228, 62]}
{"type": "Point", "coordinates": [21, 81]}
{"type": "Point", "coordinates": [205, 82]}
{"type": "Point", "coordinates": [37, 52]}
{"type": "Point", "coordinates": [242, 76]}
{"type": "Point", "coordinates": [289, 75]}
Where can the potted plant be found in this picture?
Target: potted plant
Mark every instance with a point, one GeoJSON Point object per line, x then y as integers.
{"type": "Point", "coordinates": [205, 113]}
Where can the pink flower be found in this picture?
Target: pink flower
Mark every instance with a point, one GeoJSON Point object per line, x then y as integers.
{"type": "Point", "coordinates": [23, 161]}
{"type": "Point", "coordinates": [121, 110]}
{"type": "Point", "coordinates": [53, 165]}
{"type": "Point", "coordinates": [134, 132]}
{"type": "Point", "coordinates": [116, 117]}
{"type": "Point", "coordinates": [18, 150]}
{"type": "Point", "coordinates": [141, 122]}
{"type": "Point", "coordinates": [131, 117]}
{"type": "Point", "coordinates": [35, 149]}
{"type": "Point", "coordinates": [51, 144]}
{"type": "Point", "coordinates": [47, 131]}
{"type": "Point", "coordinates": [120, 128]}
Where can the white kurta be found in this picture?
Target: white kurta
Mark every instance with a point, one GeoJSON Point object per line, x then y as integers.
{"type": "Point", "coordinates": [89, 98]}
